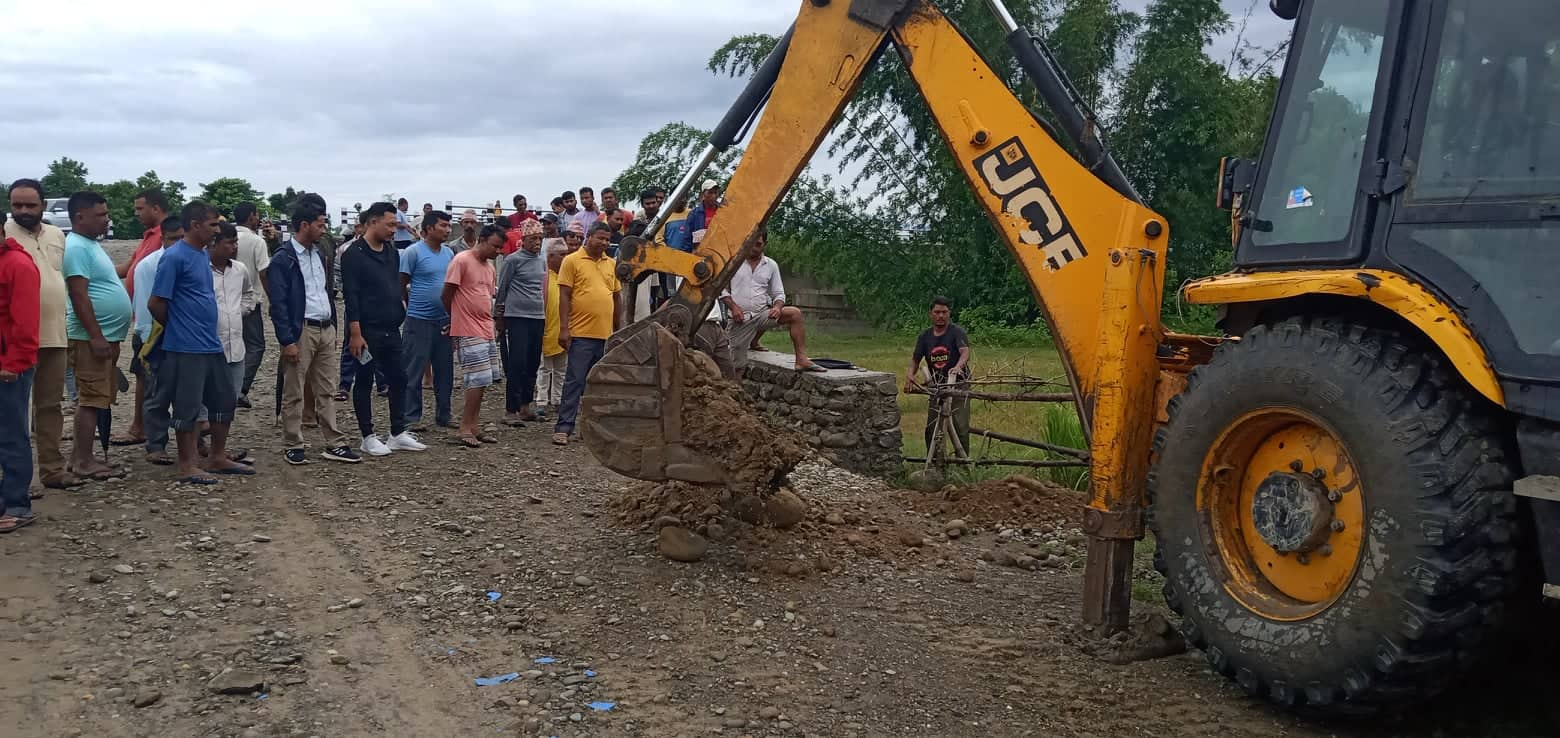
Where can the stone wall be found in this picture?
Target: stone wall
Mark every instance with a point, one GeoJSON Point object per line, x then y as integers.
{"type": "Point", "coordinates": [851, 415]}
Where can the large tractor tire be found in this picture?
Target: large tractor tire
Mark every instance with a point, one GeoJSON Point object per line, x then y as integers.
{"type": "Point", "coordinates": [1334, 517]}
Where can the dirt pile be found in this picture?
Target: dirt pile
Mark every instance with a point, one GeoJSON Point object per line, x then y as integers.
{"type": "Point", "coordinates": [688, 505]}
{"type": "Point", "coordinates": [757, 457]}
{"type": "Point", "coordinates": [718, 423]}
{"type": "Point", "coordinates": [1018, 502]}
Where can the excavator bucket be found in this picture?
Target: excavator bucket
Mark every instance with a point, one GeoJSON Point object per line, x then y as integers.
{"type": "Point", "coordinates": [631, 416]}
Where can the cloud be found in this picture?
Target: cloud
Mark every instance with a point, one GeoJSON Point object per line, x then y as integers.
{"type": "Point", "coordinates": [470, 101]}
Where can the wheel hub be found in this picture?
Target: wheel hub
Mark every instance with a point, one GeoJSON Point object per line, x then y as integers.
{"type": "Point", "coordinates": [1291, 512]}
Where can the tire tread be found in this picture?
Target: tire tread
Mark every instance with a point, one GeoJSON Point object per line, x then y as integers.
{"type": "Point", "coordinates": [1467, 555]}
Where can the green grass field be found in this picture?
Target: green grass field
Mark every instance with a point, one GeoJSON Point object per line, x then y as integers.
{"type": "Point", "coordinates": [890, 352]}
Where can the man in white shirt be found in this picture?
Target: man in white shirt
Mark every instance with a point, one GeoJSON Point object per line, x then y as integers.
{"type": "Point", "coordinates": [148, 423]}
{"type": "Point", "coordinates": [256, 258]}
{"type": "Point", "coordinates": [303, 315]}
{"type": "Point", "coordinates": [235, 291]}
{"type": "Point", "coordinates": [755, 302]}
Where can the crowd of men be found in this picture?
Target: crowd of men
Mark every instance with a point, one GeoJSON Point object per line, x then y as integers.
{"type": "Point", "coordinates": [528, 301]}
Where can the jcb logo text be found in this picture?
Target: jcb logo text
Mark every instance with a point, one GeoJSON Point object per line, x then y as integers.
{"type": "Point", "coordinates": [1011, 175]}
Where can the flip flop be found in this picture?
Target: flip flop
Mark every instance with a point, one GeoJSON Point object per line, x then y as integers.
{"type": "Point", "coordinates": [159, 459]}
{"type": "Point", "coordinates": [466, 441]}
{"type": "Point", "coordinates": [811, 368]}
{"type": "Point", "coordinates": [560, 439]}
{"type": "Point", "coordinates": [103, 476]}
{"type": "Point", "coordinates": [200, 479]}
{"type": "Point", "coordinates": [63, 481]}
{"type": "Point", "coordinates": [485, 438]}
{"type": "Point", "coordinates": [125, 439]}
{"type": "Point", "coordinates": [235, 471]}
{"type": "Point", "coordinates": [11, 524]}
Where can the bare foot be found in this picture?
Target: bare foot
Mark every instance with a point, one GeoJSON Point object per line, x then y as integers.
{"type": "Point", "coordinates": [90, 468]}
{"type": "Point", "coordinates": [220, 464]}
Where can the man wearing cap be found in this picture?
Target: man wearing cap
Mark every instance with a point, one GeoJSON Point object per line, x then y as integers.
{"type": "Point", "coordinates": [702, 215]}
{"type": "Point", "coordinates": [521, 306]}
{"type": "Point", "coordinates": [550, 227]}
{"type": "Point", "coordinates": [466, 237]}
{"type": "Point", "coordinates": [574, 237]}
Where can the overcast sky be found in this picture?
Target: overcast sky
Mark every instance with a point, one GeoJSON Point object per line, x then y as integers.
{"type": "Point", "coordinates": [466, 100]}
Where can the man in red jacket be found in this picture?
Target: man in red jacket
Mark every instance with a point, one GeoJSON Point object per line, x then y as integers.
{"type": "Point", "coordinates": [19, 285]}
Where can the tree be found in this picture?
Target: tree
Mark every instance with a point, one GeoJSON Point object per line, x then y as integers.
{"type": "Point", "coordinates": [905, 223]}
{"type": "Point", "coordinates": [282, 202]}
{"type": "Point", "coordinates": [120, 195]}
{"type": "Point", "coordinates": [172, 189]}
{"type": "Point", "coordinates": [227, 192]}
{"type": "Point", "coordinates": [666, 154]}
{"type": "Point", "coordinates": [66, 177]}
{"type": "Point", "coordinates": [1180, 111]}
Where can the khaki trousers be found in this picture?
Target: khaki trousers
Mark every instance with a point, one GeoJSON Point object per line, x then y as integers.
{"type": "Point", "coordinates": [318, 367]}
{"type": "Point", "coordinates": [48, 418]}
{"type": "Point", "coordinates": [549, 379]}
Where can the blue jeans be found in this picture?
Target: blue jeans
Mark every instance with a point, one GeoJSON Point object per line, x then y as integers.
{"type": "Point", "coordinates": [425, 342]}
{"type": "Point", "coordinates": [583, 355]}
{"type": "Point", "coordinates": [16, 456]}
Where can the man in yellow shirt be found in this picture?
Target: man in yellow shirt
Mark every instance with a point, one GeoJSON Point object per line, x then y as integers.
{"type": "Point", "coordinates": [549, 378]}
{"type": "Point", "coordinates": [590, 307]}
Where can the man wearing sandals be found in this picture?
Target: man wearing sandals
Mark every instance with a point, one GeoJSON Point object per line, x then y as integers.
{"type": "Point", "coordinates": [97, 319]}
{"type": "Point", "coordinates": [45, 243]}
{"type": "Point", "coordinates": [469, 286]}
{"type": "Point", "coordinates": [756, 303]}
{"type": "Point", "coordinates": [19, 321]}
{"type": "Point", "coordinates": [184, 301]}
{"type": "Point", "coordinates": [522, 310]}
{"type": "Point", "coordinates": [590, 307]}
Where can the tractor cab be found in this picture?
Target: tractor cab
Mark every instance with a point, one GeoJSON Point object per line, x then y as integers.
{"type": "Point", "coordinates": [1422, 139]}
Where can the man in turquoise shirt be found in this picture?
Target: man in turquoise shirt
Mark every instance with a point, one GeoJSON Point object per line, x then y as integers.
{"type": "Point", "coordinates": [97, 318]}
{"type": "Point", "coordinates": [426, 333]}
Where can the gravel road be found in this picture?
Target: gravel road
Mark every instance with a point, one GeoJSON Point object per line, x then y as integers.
{"type": "Point", "coordinates": [335, 600]}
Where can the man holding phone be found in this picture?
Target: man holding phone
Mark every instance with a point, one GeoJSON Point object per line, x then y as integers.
{"type": "Point", "coordinates": [371, 291]}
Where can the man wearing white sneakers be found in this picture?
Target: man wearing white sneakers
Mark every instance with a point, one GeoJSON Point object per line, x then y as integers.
{"type": "Point", "coordinates": [371, 291]}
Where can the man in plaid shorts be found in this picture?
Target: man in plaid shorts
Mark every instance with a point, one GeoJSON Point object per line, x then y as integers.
{"type": "Point", "coordinates": [469, 286]}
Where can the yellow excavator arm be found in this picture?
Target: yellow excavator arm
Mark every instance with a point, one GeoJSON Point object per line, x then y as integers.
{"type": "Point", "coordinates": [1092, 253]}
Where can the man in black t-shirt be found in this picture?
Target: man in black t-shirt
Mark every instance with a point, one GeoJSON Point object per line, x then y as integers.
{"type": "Point", "coordinates": [946, 350]}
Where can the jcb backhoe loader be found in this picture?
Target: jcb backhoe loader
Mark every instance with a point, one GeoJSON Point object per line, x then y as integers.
{"type": "Point", "coordinates": [1334, 485]}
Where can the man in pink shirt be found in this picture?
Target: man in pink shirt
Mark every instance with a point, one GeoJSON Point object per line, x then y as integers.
{"type": "Point", "coordinates": [469, 286]}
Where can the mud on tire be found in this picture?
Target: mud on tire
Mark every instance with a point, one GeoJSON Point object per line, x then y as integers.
{"type": "Point", "coordinates": [1438, 555]}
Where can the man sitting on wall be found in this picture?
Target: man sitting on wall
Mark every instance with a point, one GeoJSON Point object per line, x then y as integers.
{"type": "Point", "coordinates": [755, 302]}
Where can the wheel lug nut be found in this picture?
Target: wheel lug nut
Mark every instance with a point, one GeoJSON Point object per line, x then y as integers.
{"type": "Point", "coordinates": [1325, 550]}
{"type": "Point", "coordinates": [1303, 558]}
{"type": "Point", "coordinates": [1337, 526]}
{"type": "Point", "coordinates": [1318, 473]}
{"type": "Point", "coordinates": [1296, 466]}
{"type": "Point", "coordinates": [1333, 496]}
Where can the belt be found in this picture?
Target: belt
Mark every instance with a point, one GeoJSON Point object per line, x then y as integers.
{"type": "Point", "coordinates": [319, 323]}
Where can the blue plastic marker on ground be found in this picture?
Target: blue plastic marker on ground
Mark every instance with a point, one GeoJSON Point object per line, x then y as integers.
{"type": "Point", "coordinates": [493, 596]}
{"type": "Point", "coordinates": [590, 673]}
{"type": "Point", "coordinates": [602, 706]}
{"type": "Point", "coordinates": [500, 679]}
{"type": "Point", "coordinates": [546, 660]}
